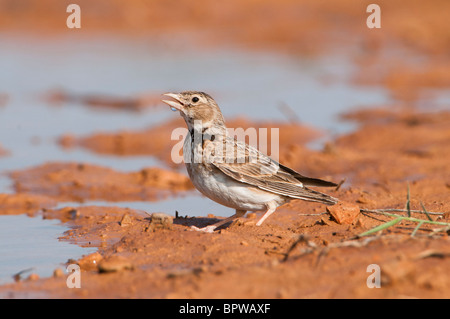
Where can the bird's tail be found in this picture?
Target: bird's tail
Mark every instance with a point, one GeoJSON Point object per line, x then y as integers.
{"type": "Point", "coordinates": [308, 181]}
{"type": "Point", "coordinates": [315, 196]}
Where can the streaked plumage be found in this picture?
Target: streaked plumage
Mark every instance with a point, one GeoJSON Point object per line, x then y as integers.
{"type": "Point", "coordinates": [234, 173]}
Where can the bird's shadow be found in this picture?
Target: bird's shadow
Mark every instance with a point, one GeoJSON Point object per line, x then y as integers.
{"type": "Point", "coordinates": [198, 221]}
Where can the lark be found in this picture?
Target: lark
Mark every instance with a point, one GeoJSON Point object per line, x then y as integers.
{"type": "Point", "coordinates": [231, 172]}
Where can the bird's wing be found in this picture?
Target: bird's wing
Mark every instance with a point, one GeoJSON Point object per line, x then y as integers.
{"type": "Point", "coordinates": [247, 165]}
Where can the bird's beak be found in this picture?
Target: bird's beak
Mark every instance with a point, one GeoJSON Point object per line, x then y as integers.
{"type": "Point", "coordinates": [177, 104]}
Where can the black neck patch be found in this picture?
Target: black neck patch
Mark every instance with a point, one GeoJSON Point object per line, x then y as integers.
{"type": "Point", "coordinates": [205, 137]}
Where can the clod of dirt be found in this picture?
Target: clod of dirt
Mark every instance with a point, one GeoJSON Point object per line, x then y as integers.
{"type": "Point", "coordinates": [114, 264]}
{"type": "Point", "coordinates": [33, 277]}
{"type": "Point", "coordinates": [160, 221]}
{"type": "Point", "coordinates": [58, 273]}
{"type": "Point", "coordinates": [90, 262]}
{"type": "Point", "coordinates": [125, 221]}
{"type": "Point", "coordinates": [344, 213]}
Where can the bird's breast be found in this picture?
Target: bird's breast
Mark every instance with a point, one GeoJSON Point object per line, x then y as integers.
{"type": "Point", "coordinates": [224, 190]}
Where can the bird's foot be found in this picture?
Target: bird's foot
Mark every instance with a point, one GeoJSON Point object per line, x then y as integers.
{"type": "Point", "coordinates": [207, 229]}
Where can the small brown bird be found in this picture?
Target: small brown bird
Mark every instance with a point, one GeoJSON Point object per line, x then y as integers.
{"type": "Point", "coordinates": [231, 172]}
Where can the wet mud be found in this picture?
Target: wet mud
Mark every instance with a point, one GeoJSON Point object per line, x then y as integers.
{"type": "Point", "coordinates": [81, 182]}
{"type": "Point", "coordinates": [396, 158]}
{"type": "Point", "coordinates": [301, 251]}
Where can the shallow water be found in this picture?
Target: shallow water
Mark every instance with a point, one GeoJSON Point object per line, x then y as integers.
{"type": "Point", "coordinates": [244, 84]}
{"type": "Point", "coordinates": [31, 244]}
{"type": "Point", "coordinates": [253, 85]}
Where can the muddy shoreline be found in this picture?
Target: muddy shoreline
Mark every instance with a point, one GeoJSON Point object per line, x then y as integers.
{"type": "Point", "coordinates": [396, 158]}
{"type": "Point", "coordinates": [154, 259]}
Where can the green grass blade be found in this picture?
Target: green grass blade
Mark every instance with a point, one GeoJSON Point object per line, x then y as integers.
{"type": "Point", "coordinates": [381, 227]}
{"type": "Point", "coordinates": [416, 229]}
{"type": "Point", "coordinates": [425, 211]}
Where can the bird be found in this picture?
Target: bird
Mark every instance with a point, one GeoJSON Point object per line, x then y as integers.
{"type": "Point", "coordinates": [231, 172]}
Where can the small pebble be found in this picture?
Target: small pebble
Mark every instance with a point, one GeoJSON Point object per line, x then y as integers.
{"type": "Point", "coordinates": [125, 221]}
{"type": "Point", "coordinates": [344, 213]}
{"type": "Point", "coordinates": [114, 264]}
{"type": "Point", "coordinates": [33, 277]}
{"type": "Point", "coordinates": [160, 221]}
{"type": "Point", "coordinates": [58, 273]}
{"type": "Point", "coordinates": [90, 261]}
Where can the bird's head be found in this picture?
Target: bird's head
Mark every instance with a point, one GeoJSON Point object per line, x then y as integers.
{"type": "Point", "coordinates": [196, 106]}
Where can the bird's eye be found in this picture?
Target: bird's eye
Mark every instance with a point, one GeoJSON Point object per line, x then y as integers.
{"type": "Point", "coordinates": [195, 99]}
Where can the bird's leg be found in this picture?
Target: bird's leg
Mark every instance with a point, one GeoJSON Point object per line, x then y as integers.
{"type": "Point", "coordinates": [211, 228]}
{"type": "Point", "coordinates": [271, 207]}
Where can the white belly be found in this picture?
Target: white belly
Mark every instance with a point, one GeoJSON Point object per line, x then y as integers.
{"type": "Point", "coordinates": [228, 192]}
{"type": "Point", "coordinates": [223, 189]}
